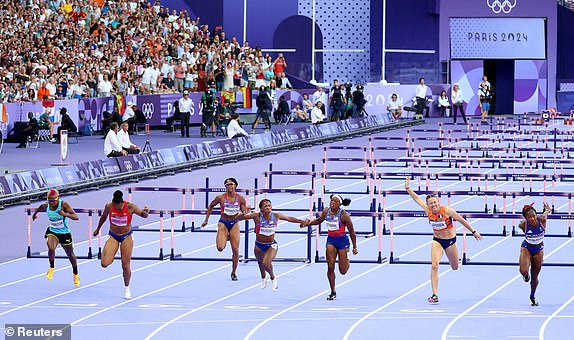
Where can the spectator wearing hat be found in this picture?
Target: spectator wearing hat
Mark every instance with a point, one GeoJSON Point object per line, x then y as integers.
{"type": "Point", "coordinates": [185, 109]}
{"type": "Point", "coordinates": [66, 123]}
{"type": "Point", "coordinates": [129, 115]}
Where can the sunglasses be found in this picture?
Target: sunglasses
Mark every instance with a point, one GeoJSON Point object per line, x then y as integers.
{"type": "Point", "coordinates": [54, 199]}
{"type": "Point", "coordinates": [230, 183]}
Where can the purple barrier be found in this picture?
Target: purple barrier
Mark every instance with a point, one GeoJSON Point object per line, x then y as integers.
{"type": "Point", "coordinates": [134, 162]}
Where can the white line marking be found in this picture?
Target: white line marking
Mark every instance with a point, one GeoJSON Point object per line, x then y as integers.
{"type": "Point", "coordinates": [547, 321]}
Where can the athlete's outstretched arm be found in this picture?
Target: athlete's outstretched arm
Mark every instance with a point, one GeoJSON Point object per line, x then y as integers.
{"type": "Point", "coordinates": [414, 195]}
{"type": "Point", "coordinates": [456, 216]}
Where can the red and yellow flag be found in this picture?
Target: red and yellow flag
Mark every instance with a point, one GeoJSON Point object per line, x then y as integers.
{"type": "Point", "coordinates": [4, 114]}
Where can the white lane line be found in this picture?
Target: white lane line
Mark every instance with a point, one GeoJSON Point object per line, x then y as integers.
{"type": "Point", "coordinates": [547, 321]}
{"type": "Point", "coordinates": [165, 324]}
{"type": "Point", "coordinates": [468, 310]}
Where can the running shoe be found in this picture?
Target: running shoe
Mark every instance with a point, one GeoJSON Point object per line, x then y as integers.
{"type": "Point", "coordinates": [127, 293]}
{"type": "Point", "coordinates": [50, 273]}
{"type": "Point", "coordinates": [533, 301]}
{"type": "Point", "coordinates": [77, 280]}
{"type": "Point", "coordinates": [526, 278]}
{"type": "Point", "coordinates": [233, 277]}
{"type": "Point", "coordinates": [264, 282]}
{"type": "Point", "coordinates": [433, 299]}
{"type": "Point", "coordinates": [275, 284]}
{"type": "Point", "coordinates": [332, 296]}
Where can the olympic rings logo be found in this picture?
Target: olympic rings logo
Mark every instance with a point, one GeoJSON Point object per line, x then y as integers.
{"type": "Point", "coordinates": [147, 109]}
{"type": "Point", "coordinates": [498, 6]}
{"type": "Point", "coordinates": [128, 165]}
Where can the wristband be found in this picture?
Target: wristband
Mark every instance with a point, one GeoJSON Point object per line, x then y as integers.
{"type": "Point", "coordinates": [474, 232]}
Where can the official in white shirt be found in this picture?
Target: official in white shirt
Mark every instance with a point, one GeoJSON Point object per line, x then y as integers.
{"type": "Point", "coordinates": [112, 146]}
{"type": "Point", "coordinates": [185, 109]}
{"type": "Point", "coordinates": [421, 97]}
{"type": "Point", "coordinates": [129, 115]}
{"type": "Point", "coordinates": [125, 142]}
{"type": "Point", "coordinates": [320, 96]}
{"type": "Point", "coordinates": [234, 130]}
{"type": "Point", "coordinates": [317, 115]}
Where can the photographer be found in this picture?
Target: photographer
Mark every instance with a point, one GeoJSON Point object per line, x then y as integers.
{"type": "Point", "coordinates": [336, 102]}
{"type": "Point", "coordinates": [484, 98]}
{"type": "Point", "coordinates": [264, 108]}
{"type": "Point", "coordinates": [358, 101]}
{"type": "Point", "coordinates": [207, 112]}
{"type": "Point", "coordinates": [176, 116]}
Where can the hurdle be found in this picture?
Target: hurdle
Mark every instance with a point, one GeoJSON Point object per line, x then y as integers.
{"type": "Point", "coordinates": [179, 257]}
{"type": "Point", "coordinates": [396, 260]}
{"type": "Point", "coordinates": [246, 230]}
{"type": "Point", "coordinates": [311, 210]}
{"type": "Point", "coordinates": [160, 256]}
{"type": "Point", "coordinates": [88, 256]}
{"type": "Point", "coordinates": [183, 191]}
{"type": "Point", "coordinates": [365, 174]}
{"type": "Point", "coordinates": [270, 173]}
{"type": "Point", "coordinates": [375, 215]}
{"type": "Point", "coordinates": [466, 260]}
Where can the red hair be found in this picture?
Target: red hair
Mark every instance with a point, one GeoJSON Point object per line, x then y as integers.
{"type": "Point", "coordinates": [53, 193]}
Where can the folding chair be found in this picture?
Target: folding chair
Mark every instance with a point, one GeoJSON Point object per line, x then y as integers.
{"type": "Point", "coordinates": [32, 142]}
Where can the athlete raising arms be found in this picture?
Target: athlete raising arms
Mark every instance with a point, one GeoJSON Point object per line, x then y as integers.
{"type": "Point", "coordinates": [444, 240]}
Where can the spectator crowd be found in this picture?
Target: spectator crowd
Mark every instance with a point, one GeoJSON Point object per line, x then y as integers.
{"type": "Point", "coordinates": [62, 49]}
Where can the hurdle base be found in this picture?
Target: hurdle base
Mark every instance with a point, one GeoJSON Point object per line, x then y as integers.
{"type": "Point", "coordinates": [424, 233]}
{"type": "Point", "coordinates": [322, 259]}
{"type": "Point", "coordinates": [397, 260]}
{"type": "Point", "coordinates": [37, 255]}
{"type": "Point", "coordinates": [179, 257]}
{"type": "Point", "coordinates": [165, 230]}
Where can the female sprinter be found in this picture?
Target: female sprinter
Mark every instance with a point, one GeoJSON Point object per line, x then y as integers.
{"type": "Point", "coordinates": [231, 204]}
{"type": "Point", "coordinates": [58, 231]}
{"type": "Point", "coordinates": [337, 241]}
{"type": "Point", "coordinates": [532, 248]}
{"type": "Point", "coordinates": [265, 244]}
{"type": "Point", "coordinates": [444, 240]}
{"type": "Point", "coordinates": [120, 213]}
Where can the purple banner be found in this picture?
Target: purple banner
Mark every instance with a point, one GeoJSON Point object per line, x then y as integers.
{"type": "Point", "coordinates": [156, 158]}
{"type": "Point", "coordinates": [15, 184]}
{"type": "Point", "coordinates": [4, 187]}
{"type": "Point", "coordinates": [501, 9]}
{"type": "Point", "coordinates": [134, 162]}
{"type": "Point", "coordinates": [52, 177]}
{"type": "Point", "coordinates": [92, 109]}
{"type": "Point", "coordinates": [74, 173]}
{"type": "Point", "coordinates": [111, 167]}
